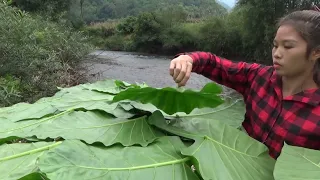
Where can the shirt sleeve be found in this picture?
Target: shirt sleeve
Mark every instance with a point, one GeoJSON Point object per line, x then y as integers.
{"type": "Point", "coordinates": [236, 75]}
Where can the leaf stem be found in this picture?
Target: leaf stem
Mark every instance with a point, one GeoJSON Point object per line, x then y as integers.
{"type": "Point", "coordinates": [141, 167]}
{"type": "Point", "coordinates": [180, 89]}
{"type": "Point", "coordinates": [30, 152]}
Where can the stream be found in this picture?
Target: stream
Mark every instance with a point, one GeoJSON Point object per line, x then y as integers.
{"type": "Point", "coordinates": [136, 67]}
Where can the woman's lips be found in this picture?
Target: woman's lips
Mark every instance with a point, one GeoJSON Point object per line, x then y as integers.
{"type": "Point", "coordinates": [276, 65]}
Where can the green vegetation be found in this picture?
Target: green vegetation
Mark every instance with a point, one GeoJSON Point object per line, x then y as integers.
{"type": "Point", "coordinates": [36, 56]}
{"type": "Point", "coordinates": [164, 26]}
{"type": "Point", "coordinates": [244, 33]}
{"type": "Point", "coordinates": [97, 11]}
{"type": "Point", "coordinates": [83, 132]}
{"type": "Point", "coordinates": [52, 10]}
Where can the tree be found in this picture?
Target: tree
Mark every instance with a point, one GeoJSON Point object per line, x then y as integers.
{"type": "Point", "coordinates": [52, 9]}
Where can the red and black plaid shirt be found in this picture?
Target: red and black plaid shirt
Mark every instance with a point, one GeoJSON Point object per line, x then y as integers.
{"type": "Point", "coordinates": [270, 118]}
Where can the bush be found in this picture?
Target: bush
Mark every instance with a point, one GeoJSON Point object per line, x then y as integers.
{"type": "Point", "coordinates": [9, 90]}
{"type": "Point", "coordinates": [115, 43]}
{"type": "Point", "coordinates": [158, 32]}
{"type": "Point", "coordinates": [100, 33]}
{"type": "Point", "coordinates": [147, 31]}
{"type": "Point", "coordinates": [41, 54]}
{"type": "Point", "coordinates": [221, 36]}
{"type": "Point", "coordinates": [127, 25]}
{"type": "Point", "coordinates": [105, 29]}
{"type": "Point", "coordinates": [181, 37]}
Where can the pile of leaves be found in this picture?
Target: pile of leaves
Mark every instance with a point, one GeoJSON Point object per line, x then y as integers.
{"type": "Point", "coordinates": [114, 130]}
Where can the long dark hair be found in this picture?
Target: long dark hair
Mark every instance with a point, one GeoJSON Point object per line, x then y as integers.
{"type": "Point", "coordinates": [307, 23]}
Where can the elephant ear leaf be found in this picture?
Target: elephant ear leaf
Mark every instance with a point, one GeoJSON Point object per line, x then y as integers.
{"type": "Point", "coordinates": [158, 161]}
{"type": "Point", "coordinates": [171, 100]}
{"type": "Point", "coordinates": [297, 163]}
{"type": "Point", "coordinates": [20, 160]}
{"type": "Point", "coordinates": [221, 151]}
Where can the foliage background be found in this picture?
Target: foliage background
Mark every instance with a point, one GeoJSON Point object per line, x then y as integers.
{"type": "Point", "coordinates": [44, 41]}
{"type": "Point", "coordinates": [36, 56]}
{"type": "Point", "coordinates": [244, 33]}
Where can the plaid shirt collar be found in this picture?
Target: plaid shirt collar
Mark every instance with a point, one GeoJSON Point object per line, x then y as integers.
{"type": "Point", "coordinates": [311, 97]}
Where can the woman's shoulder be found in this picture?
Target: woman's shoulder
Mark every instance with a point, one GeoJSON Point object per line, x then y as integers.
{"type": "Point", "coordinates": [265, 73]}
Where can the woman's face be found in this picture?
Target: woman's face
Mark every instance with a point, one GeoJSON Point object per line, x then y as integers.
{"type": "Point", "coordinates": [289, 53]}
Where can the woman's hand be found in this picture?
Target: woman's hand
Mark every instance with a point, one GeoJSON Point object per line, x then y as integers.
{"type": "Point", "coordinates": [180, 69]}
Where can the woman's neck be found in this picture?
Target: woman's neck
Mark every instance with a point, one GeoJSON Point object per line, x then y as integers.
{"type": "Point", "coordinates": [294, 85]}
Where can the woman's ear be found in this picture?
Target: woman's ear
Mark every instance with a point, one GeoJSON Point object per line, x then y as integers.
{"type": "Point", "coordinates": [315, 55]}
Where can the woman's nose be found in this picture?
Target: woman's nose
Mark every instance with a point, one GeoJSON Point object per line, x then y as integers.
{"type": "Point", "coordinates": [277, 54]}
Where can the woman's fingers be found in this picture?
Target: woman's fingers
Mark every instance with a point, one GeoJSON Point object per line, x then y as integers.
{"type": "Point", "coordinates": [172, 66]}
{"type": "Point", "coordinates": [187, 75]}
{"type": "Point", "coordinates": [177, 70]}
{"type": "Point", "coordinates": [182, 72]}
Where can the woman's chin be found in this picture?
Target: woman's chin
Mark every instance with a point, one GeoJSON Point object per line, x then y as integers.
{"type": "Point", "coordinates": [279, 72]}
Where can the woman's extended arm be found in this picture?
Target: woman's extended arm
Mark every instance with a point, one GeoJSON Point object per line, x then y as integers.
{"type": "Point", "coordinates": [235, 75]}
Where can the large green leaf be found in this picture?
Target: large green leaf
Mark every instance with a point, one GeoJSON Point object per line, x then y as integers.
{"type": "Point", "coordinates": [171, 100]}
{"type": "Point", "coordinates": [124, 85]}
{"type": "Point", "coordinates": [110, 86]}
{"type": "Point", "coordinates": [90, 126]}
{"type": "Point", "coordinates": [158, 161]}
{"type": "Point", "coordinates": [22, 111]}
{"type": "Point", "coordinates": [20, 160]}
{"type": "Point", "coordinates": [230, 112]}
{"type": "Point", "coordinates": [77, 98]}
{"type": "Point", "coordinates": [297, 163]}
{"type": "Point", "coordinates": [221, 151]}
{"type": "Point", "coordinates": [90, 100]}
{"type": "Point", "coordinates": [79, 102]}
{"type": "Point", "coordinates": [107, 86]}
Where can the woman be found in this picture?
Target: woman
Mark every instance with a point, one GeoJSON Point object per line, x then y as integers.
{"type": "Point", "coordinates": [283, 100]}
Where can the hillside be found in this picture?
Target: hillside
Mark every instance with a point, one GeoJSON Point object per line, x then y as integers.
{"type": "Point", "coordinates": [101, 10]}
{"type": "Point", "coordinates": [225, 5]}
